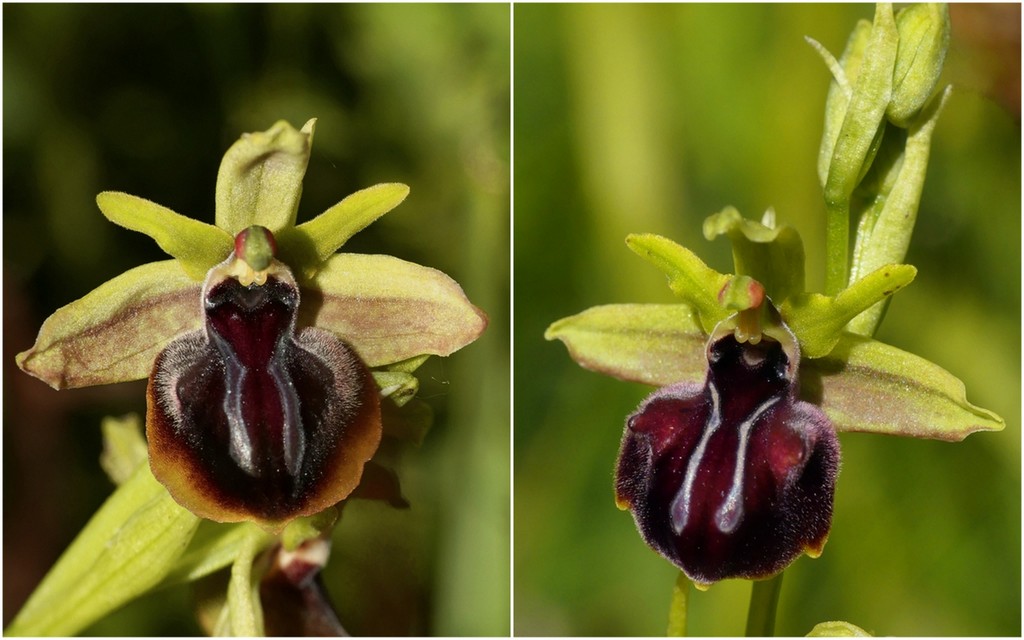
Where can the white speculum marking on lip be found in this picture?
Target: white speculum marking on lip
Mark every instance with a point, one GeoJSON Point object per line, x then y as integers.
{"type": "Point", "coordinates": [680, 509]}
{"type": "Point", "coordinates": [294, 438]}
{"type": "Point", "coordinates": [240, 445]}
{"type": "Point", "coordinates": [730, 513]}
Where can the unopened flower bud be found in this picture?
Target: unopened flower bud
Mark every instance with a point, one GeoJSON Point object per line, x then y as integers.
{"type": "Point", "coordinates": [924, 39]}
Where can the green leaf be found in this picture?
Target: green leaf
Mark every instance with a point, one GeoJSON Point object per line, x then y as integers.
{"type": "Point", "coordinates": [389, 309]}
{"type": "Point", "coordinates": [260, 178]}
{"type": "Point", "coordinates": [774, 256]}
{"type": "Point", "coordinates": [650, 343]}
{"type": "Point", "coordinates": [689, 278]}
{"type": "Point", "coordinates": [197, 246]}
{"type": "Point", "coordinates": [306, 246]}
{"type": "Point", "coordinates": [817, 320]}
{"type": "Point", "coordinates": [868, 386]}
{"type": "Point", "coordinates": [115, 332]}
{"type": "Point", "coordinates": [837, 629]}
{"type": "Point", "coordinates": [124, 447]}
{"type": "Point", "coordinates": [125, 550]}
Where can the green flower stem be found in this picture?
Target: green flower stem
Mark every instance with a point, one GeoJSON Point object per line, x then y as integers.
{"type": "Point", "coordinates": [677, 612]}
{"type": "Point", "coordinates": [764, 598]}
{"type": "Point", "coordinates": [837, 239]}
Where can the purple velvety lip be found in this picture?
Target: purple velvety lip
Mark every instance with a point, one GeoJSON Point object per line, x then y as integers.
{"type": "Point", "coordinates": [735, 478]}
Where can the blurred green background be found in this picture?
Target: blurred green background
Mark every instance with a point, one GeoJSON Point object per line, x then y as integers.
{"type": "Point", "coordinates": [648, 118]}
{"type": "Point", "coordinates": [146, 99]}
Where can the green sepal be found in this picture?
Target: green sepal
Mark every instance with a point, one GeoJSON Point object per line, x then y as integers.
{"type": "Point", "coordinates": [689, 278]}
{"type": "Point", "coordinates": [114, 333]}
{"type": "Point", "coordinates": [125, 550]}
{"type": "Point", "coordinates": [306, 246]}
{"type": "Point", "coordinates": [124, 447]}
{"type": "Point", "coordinates": [196, 246]}
{"type": "Point", "coordinates": [390, 310]}
{"type": "Point", "coordinates": [656, 344]}
{"type": "Point", "coordinates": [260, 178]}
{"type": "Point", "coordinates": [817, 320]}
{"type": "Point", "coordinates": [868, 386]}
{"type": "Point", "coordinates": [774, 256]}
{"type": "Point", "coordinates": [398, 386]}
{"type": "Point", "coordinates": [837, 629]}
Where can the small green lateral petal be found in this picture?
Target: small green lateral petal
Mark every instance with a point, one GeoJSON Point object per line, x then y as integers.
{"type": "Point", "coordinates": [115, 332]}
{"type": "Point", "coordinates": [389, 309]}
{"type": "Point", "coordinates": [818, 320]}
{"type": "Point", "coordinates": [196, 245]}
{"type": "Point", "coordinates": [306, 246]}
{"type": "Point", "coordinates": [689, 278]}
{"type": "Point", "coordinates": [868, 386]}
{"type": "Point", "coordinates": [260, 178]}
{"type": "Point", "coordinates": [657, 344]}
{"type": "Point", "coordinates": [774, 256]}
{"type": "Point", "coordinates": [398, 386]}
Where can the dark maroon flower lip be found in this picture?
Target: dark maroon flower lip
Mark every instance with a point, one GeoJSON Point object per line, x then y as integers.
{"type": "Point", "coordinates": [250, 418]}
{"type": "Point", "coordinates": [734, 478]}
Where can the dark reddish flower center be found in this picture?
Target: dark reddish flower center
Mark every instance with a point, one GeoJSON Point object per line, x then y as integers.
{"type": "Point", "coordinates": [734, 478]}
{"type": "Point", "coordinates": [251, 419]}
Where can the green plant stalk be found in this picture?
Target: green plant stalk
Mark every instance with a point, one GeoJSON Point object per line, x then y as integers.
{"type": "Point", "coordinates": [764, 598]}
{"type": "Point", "coordinates": [677, 612]}
{"type": "Point", "coordinates": [837, 240]}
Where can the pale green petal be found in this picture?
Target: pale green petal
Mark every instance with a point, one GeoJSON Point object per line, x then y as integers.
{"type": "Point", "coordinates": [817, 320]}
{"type": "Point", "coordinates": [115, 332]}
{"type": "Point", "coordinates": [125, 550]}
{"type": "Point", "coordinates": [260, 178]}
{"type": "Point", "coordinates": [196, 245]}
{"type": "Point", "coordinates": [869, 386]}
{"type": "Point", "coordinates": [305, 247]}
{"type": "Point", "coordinates": [389, 309]}
{"type": "Point", "coordinates": [657, 344]}
{"type": "Point", "coordinates": [689, 278]}
{"type": "Point", "coordinates": [397, 386]}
